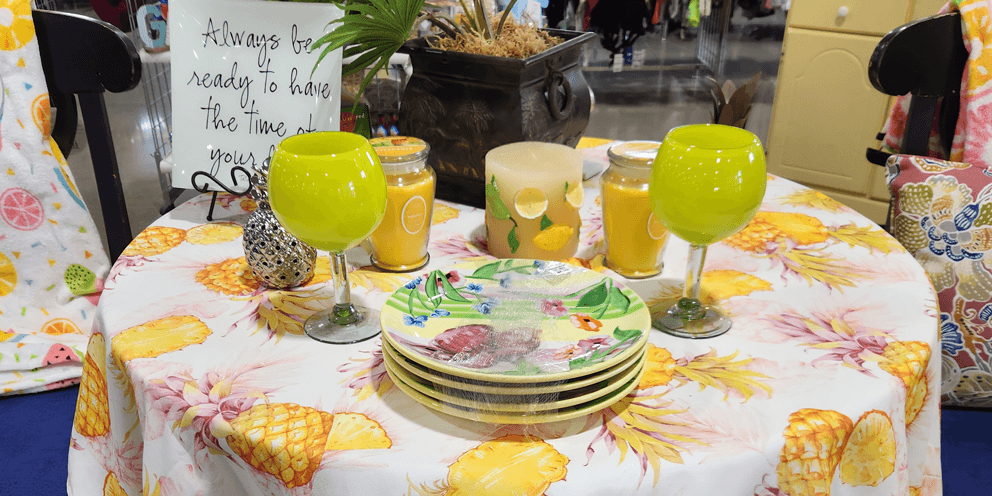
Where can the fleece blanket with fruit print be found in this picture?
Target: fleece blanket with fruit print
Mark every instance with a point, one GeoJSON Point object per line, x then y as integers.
{"type": "Point", "coordinates": [52, 262]}
{"type": "Point", "coordinates": [973, 129]}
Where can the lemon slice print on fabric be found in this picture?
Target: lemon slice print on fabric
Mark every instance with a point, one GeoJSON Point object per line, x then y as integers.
{"type": "Point", "coordinates": [575, 194]}
{"type": "Point", "coordinates": [356, 431]}
{"type": "Point", "coordinates": [443, 213]}
{"type": "Point", "coordinates": [16, 24]}
{"type": "Point", "coordinates": [212, 234]}
{"type": "Point", "coordinates": [530, 203]}
{"type": "Point", "coordinates": [870, 454]}
{"type": "Point", "coordinates": [8, 276]}
{"type": "Point", "coordinates": [554, 237]}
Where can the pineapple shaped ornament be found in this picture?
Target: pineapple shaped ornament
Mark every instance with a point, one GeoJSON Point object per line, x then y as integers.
{"type": "Point", "coordinates": [278, 259]}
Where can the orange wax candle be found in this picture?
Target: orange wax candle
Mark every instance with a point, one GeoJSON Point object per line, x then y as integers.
{"type": "Point", "coordinates": [399, 244]}
{"type": "Point", "coordinates": [635, 239]}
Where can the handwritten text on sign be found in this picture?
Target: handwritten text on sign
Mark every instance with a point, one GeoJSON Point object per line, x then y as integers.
{"type": "Point", "coordinates": [241, 82]}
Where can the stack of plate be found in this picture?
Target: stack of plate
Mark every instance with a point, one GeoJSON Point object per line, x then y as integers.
{"type": "Point", "coordinates": [515, 341]}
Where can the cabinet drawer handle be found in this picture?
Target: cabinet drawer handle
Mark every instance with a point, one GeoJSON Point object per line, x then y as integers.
{"type": "Point", "coordinates": [843, 11]}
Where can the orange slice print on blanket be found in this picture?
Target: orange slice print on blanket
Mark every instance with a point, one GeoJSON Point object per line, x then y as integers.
{"type": "Point", "coordinates": [41, 112]}
{"type": "Point", "coordinates": [16, 24]}
{"type": "Point", "coordinates": [21, 209]}
{"type": "Point", "coordinates": [59, 326]}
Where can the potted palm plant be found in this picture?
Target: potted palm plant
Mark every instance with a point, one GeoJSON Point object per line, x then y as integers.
{"type": "Point", "coordinates": [525, 85]}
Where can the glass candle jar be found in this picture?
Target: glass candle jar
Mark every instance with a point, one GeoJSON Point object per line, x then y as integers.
{"type": "Point", "coordinates": [399, 244]}
{"type": "Point", "coordinates": [635, 239]}
{"type": "Point", "coordinates": [533, 195]}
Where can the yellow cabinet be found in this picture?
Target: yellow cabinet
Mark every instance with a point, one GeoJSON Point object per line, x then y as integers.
{"type": "Point", "coordinates": [826, 112]}
{"type": "Point", "coordinates": [860, 16]}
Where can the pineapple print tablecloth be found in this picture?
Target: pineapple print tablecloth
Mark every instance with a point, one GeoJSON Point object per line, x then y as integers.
{"type": "Point", "coordinates": [198, 381]}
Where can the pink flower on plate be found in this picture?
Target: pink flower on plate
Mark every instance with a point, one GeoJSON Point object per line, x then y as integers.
{"type": "Point", "coordinates": [554, 308]}
{"type": "Point", "coordinates": [594, 343]}
{"type": "Point", "coordinates": [453, 277]}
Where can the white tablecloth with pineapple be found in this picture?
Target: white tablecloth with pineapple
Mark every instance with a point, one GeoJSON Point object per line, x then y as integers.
{"type": "Point", "coordinates": [199, 381]}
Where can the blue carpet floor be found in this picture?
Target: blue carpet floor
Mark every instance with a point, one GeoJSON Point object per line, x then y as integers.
{"type": "Point", "coordinates": [34, 444]}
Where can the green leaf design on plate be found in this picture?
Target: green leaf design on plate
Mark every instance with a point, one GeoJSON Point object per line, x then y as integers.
{"type": "Point", "coordinates": [450, 291]}
{"type": "Point", "coordinates": [625, 334]}
{"type": "Point", "coordinates": [619, 300]}
{"type": "Point", "coordinates": [486, 271]}
{"type": "Point", "coordinates": [512, 240]}
{"type": "Point", "coordinates": [546, 222]}
{"type": "Point", "coordinates": [431, 288]}
{"type": "Point", "coordinates": [412, 296]}
{"type": "Point", "coordinates": [496, 206]}
{"type": "Point", "coordinates": [595, 297]}
{"type": "Point", "coordinates": [524, 368]}
{"type": "Point", "coordinates": [565, 194]}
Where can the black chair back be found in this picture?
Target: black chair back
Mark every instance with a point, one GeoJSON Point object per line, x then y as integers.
{"type": "Point", "coordinates": [925, 58]}
{"type": "Point", "coordinates": [83, 57]}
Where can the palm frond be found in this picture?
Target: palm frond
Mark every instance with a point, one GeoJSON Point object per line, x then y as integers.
{"type": "Point", "coordinates": [376, 29]}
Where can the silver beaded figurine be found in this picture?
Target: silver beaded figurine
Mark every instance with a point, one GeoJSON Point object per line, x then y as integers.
{"type": "Point", "coordinates": [277, 258]}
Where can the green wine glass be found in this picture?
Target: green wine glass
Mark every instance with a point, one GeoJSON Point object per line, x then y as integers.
{"type": "Point", "coordinates": [329, 190]}
{"type": "Point", "coordinates": [706, 184]}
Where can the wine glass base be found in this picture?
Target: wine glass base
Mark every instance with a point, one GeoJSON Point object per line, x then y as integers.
{"type": "Point", "coordinates": [712, 324]}
{"type": "Point", "coordinates": [320, 327]}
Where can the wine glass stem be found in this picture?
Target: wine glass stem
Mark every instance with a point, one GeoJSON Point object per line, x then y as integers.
{"type": "Point", "coordinates": [344, 312]}
{"type": "Point", "coordinates": [689, 306]}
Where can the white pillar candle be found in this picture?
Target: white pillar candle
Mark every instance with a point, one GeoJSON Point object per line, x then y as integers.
{"type": "Point", "coordinates": [533, 195]}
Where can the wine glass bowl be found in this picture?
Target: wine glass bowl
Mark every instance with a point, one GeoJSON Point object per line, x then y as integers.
{"type": "Point", "coordinates": [328, 189]}
{"type": "Point", "coordinates": [706, 184]}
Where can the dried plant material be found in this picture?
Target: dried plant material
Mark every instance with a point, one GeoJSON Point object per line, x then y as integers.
{"type": "Point", "coordinates": [516, 41]}
{"type": "Point", "coordinates": [731, 106]}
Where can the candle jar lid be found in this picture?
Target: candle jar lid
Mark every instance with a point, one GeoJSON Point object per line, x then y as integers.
{"type": "Point", "coordinates": [400, 149]}
{"type": "Point", "coordinates": [634, 153]}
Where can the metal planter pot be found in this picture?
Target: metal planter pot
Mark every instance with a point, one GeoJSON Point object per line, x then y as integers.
{"type": "Point", "coordinates": [465, 105]}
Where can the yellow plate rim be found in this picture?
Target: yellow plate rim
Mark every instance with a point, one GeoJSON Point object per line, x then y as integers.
{"type": "Point", "coordinates": [510, 418]}
{"type": "Point", "coordinates": [580, 382]}
{"type": "Point", "coordinates": [614, 384]}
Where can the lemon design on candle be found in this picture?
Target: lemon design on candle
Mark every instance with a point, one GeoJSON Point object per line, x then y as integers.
{"type": "Point", "coordinates": [574, 194]}
{"type": "Point", "coordinates": [531, 203]}
{"type": "Point", "coordinates": [554, 237]}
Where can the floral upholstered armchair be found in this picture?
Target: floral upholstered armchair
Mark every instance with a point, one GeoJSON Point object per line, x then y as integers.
{"type": "Point", "coordinates": [942, 209]}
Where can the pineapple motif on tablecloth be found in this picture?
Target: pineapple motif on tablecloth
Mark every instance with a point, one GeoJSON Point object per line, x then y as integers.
{"type": "Point", "coordinates": [281, 444]}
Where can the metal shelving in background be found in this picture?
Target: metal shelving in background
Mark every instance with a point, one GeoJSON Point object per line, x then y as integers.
{"type": "Point", "coordinates": [157, 86]}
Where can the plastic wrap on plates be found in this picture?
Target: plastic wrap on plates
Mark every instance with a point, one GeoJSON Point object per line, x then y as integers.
{"type": "Point", "coordinates": [515, 341]}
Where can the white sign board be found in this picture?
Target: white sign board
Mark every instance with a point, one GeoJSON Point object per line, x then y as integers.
{"type": "Point", "coordinates": [241, 82]}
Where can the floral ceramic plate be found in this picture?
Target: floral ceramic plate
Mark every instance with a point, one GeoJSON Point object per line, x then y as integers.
{"type": "Point", "coordinates": [535, 417]}
{"type": "Point", "coordinates": [519, 404]}
{"type": "Point", "coordinates": [442, 380]}
{"type": "Point", "coordinates": [516, 321]}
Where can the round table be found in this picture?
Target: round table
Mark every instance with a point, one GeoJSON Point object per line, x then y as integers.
{"type": "Point", "coordinates": [199, 381]}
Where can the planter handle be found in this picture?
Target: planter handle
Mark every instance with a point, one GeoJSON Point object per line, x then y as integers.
{"type": "Point", "coordinates": [560, 109]}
